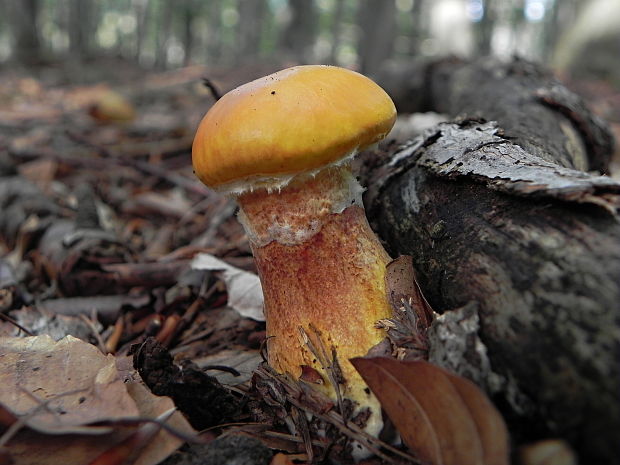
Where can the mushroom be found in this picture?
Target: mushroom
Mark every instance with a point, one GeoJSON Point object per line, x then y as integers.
{"type": "Point", "coordinates": [282, 145]}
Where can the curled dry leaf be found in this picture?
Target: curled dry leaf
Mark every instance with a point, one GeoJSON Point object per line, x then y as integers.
{"type": "Point", "coordinates": [443, 418]}
{"type": "Point", "coordinates": [245, 293]}
{"type": "Point", "coordinates": [411, 313]}
{"type": "Point", "coordinates": [401, 284]}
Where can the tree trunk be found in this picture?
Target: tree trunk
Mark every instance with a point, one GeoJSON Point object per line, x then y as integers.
{"type": "Point", "coordinates": [249, 30]}
{"type": "Point", "coordinates": [189, 12]}
{"type": "Point", "coordinates": [299, 36]}
{"type": "Point", "coordinates": [80, 20]}
{"type": "Point", "coordinates": [141, 10]}
{"type": "Point", "coordinates": [420, 15]}
{"type": "Point", "coordinates": [377, 21]}
{"type": "Point", "coordinates": [505, 214]}
{"type": "Point", "coordinates": [163, 33]}
{"type": "Point", "coordinates": [336, 31]}
{"type": "Point", "coordinates": [24, 16]}
{"type": "Point", "coordinates": [484, 29]}
{"type": "Point", "coordinates": [214, 29]}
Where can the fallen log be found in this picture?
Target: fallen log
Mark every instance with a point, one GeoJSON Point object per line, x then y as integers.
{"type": "Point", "coordinates": [506, 216]}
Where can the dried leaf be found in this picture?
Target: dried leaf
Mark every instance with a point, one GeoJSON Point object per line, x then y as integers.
{"type": "Point", "coordinates": [40, 172]}
{"type": "Point", "coordinates": [151, 406]}
{"type": "Point", "coordinates": [401, 284]}
{"type": "Point", "coordinates": [547, 452]}
{"type": "Point", "coordinates": [33, 448]}
{"type": "Point", "coordinates": [128, 450]}
{"type": "Point", "coordinates": [245, 294]}
{"type": "Point", "coordinates": [38, 321]}
{"type": "Point", "coordinates": [111, 106]}
{"type": "Point", "coordinates": [443, 418]}
{"type": "Point", "coordinates": [60, 387]}
{"type": "Point", "coordinates": [489, 423]}
{"type": "Point", "coordinates": [281, 459]}
{"type": "Point", "coordinates": [80, 384]}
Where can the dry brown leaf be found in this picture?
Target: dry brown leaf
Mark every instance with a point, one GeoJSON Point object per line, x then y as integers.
{"type": "Point", "coordinates": [80, 384]}
{"type": "Point", "coordinates": [489, 423]}
{"type": "Point", "coordinates": [41, 172]}
{"type": "Point", "coordinates": [38, 321]}
{"type": "Point", "coordinates": [110, 106]}
{"type": "Point", "coordinates": [401, 284]}
{"type": "Point", "coordinates": [29, 447]}
{"type": "Point", "coordinates": [281, 459]}
{"type": "Point", "coordinates": [128, 450]}
{"type": "Point", "coordinates": [74, 384]}
{"type": "Point", "coordinates": [152, 406]}
{"type": "Point", "coordinates": [443, 418]}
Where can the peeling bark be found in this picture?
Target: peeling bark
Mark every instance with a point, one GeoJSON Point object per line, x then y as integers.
{"type": "Point", "coordinates": [507, 218]}
{"type": "Point", "coordinates": [538, 113]}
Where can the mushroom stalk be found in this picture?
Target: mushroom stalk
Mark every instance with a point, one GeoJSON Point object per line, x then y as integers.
{"type": "Point", "coordinates": [322, 271]}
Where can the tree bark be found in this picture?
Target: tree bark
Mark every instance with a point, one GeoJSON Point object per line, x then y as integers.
{"type": "Point", "coordinates": [163, 33]}
{"type": "Point", "coordinates": [214, 32]}
{"type": "Point", "coordinates": [249, 29]}
{"type": "Point", "coordinates": [504, 214]}
{"type": "Point", "coordinates": [80, 22]}
{"type": "Point", "coordinates": [141, 11]}
{"type": "Point", "coordinates": [484, 29]}
{"type": "Point", "coordinates": [23, 19]}
{"type": "Point", "coordinates": [188, 9]}
{"type": "Point", "coordinates": [336, 31]}
{"type": "Point", "coordinates": [298, 38]}
{"type": "Point", "coordinates": [377, 21]}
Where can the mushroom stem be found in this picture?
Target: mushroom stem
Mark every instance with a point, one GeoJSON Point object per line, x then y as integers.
{"type": "Point", "coordinates": [322, 270]}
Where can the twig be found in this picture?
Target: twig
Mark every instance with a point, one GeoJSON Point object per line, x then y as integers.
{"type": "Point", "coordinates": [15, 323]}
{"type": "Point", "coordinates": [208, 83]}
{"type": "Point", "coordinates": [349, 429]}
{"type": "Point", "coordinates": [112, 342]}
{"type": "Point", "coordinates": [91, 326]}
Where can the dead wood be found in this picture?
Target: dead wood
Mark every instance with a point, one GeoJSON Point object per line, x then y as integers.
{"type": "Point", "coordinates": [505, 214]}
{"type": "Point", "coordinates": [535, 109]}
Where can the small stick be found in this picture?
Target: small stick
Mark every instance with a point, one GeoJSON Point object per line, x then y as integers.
{"type": "Point", "coordinates": [15, 323]}
{"type": "Point", "coordinates": [112, 343]}
{"type": "Point", "coordinates": [208, 83]}
{"type": "Point", "coordinates": [100, 344]}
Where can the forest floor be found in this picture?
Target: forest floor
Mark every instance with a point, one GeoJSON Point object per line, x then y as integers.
{"type": "Point", "coordinates": [102, 225]}
{"type": "Point", "coordinates": [102, 216]}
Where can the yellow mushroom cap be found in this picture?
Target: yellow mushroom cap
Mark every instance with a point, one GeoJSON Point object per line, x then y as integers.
{"type": "Point", "coordinates": [293, 121]}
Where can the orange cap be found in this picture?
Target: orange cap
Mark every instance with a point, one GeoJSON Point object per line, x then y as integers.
{"type": "Point", "coordinates": [296, 120]}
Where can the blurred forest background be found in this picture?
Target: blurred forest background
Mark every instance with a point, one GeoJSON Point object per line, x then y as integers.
{"type": "Point", "coordinates": [578, 37]}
